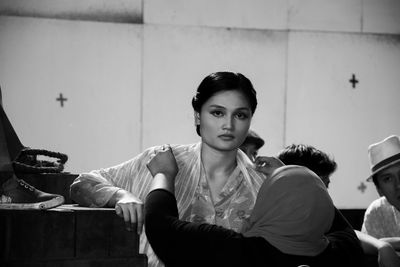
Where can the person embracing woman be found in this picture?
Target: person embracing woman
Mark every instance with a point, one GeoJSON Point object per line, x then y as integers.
{"type": "Point", "coordinates": [290, 226]}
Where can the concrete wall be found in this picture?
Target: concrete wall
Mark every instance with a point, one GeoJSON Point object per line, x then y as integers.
{"type": "Point", "coordinates": [130, 68]}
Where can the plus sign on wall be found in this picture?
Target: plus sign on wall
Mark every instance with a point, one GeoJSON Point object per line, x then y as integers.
{"type": "Point", "coordinates": [353, 81]}
{"type": "Point", "coordinates": [61, 99]}
{"type": "Point", "coordinates": [362, 187]}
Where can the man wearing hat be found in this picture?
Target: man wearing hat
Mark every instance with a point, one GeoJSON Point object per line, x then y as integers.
{"type": "Point", "coordinates": [252, 144]}
{"type": "Point", "coordinates": [382, 218]}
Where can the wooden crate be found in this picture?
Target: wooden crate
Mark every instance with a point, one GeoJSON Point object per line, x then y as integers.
{"type": "Point", "coordinates": [67, 236]}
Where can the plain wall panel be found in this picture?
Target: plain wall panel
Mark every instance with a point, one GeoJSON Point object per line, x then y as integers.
{"type": "Point", "coordinates": [96, 66]}
{"type": "Point", "coordinates": [177, 58]}
{"type": "Point", "coordinates": [324, 110]}
{"type": "Point", "coordinates": [258, 14]}
{"type": "Point", "coordinates": [325, 15]}
{"type": "Point", "coordinates": [381, 16]}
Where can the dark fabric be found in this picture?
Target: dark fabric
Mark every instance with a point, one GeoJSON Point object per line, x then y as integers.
{"type": "Point", "coordinates": [354, 216]}
{"type": "Point", "coordinates": [179, 243]}
{"type": "Point", "coordinates": [345, 246]}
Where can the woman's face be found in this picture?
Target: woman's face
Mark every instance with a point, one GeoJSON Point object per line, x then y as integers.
{"type": "Point", "coordinates": [225, 120]}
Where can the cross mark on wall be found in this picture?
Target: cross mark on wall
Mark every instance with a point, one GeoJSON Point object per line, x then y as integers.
{"type": "Point", "coordinates": [61, 99]}
{"type": "Point", "coordinates": [353, 80]}
{"type": "Point", "coordinates": [362, 187]}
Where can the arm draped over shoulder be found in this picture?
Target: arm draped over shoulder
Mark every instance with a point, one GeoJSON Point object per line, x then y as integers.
{"type": "Point", "coordinates": [95, 189]}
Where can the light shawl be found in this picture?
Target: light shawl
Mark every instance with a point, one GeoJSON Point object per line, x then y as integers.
{"type": "Point", "coordinates": [95, 189]}
{"type": "Point", "coordinates": [293, 211]}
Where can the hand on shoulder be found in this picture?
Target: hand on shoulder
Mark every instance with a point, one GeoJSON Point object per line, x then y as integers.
{"type": "Point", "coordinates": [163, 162]}
{"type": "Point", "coordinates": [267, 165]}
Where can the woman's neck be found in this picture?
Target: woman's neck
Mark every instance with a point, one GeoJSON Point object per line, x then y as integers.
{"type": "Point", "coordinates": [217, 162]}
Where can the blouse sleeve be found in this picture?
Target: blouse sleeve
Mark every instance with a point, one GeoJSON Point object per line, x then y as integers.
{"type": "Point", "coordinates": [95, 189]}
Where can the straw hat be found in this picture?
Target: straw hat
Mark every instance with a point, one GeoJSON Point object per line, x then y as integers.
{"type": "Point", "coordinates": [384, 154]}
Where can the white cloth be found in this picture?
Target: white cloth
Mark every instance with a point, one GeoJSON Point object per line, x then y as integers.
{"type": "Point", "coordinates": [381, 219]}
{"type": "Point", "coordinates": [96, 188]}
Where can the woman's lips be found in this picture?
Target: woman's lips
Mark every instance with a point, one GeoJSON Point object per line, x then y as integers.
{"type": "Point", "coordinates": [227, 137]}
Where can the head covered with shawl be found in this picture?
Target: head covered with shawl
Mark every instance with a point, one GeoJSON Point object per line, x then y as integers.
{"type": "Point", "coordinates": [293, 211]}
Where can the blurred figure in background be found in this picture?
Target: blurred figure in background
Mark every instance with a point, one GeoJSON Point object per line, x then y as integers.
{"type": "Point", "coordinates": [382, 217]}
{"type": "Point", "coordinates": [252, 144]}
{"type": "Point", "coordinates": [308, 156]}
{"type": "Point", "coordinates": [324, 166]}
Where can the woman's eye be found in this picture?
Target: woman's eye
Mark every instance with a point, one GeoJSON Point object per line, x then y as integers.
{"type": "Point", "coordinates": [242, 116]}
{"type": "Point", "coordinates": [217, 113]}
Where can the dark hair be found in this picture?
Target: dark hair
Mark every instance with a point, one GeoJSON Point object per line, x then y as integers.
{"type": "Point", "coordinates": [223, 81]}
{"type": "Point", "coordinates": [310, 157]}
{"type": "Point", "coordinates": [253, 138]}
{"type": "Point", "coordinates": [375, 180]}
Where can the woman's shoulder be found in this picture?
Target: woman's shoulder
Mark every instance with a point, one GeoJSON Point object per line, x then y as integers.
{"type": "Point", "coordinates": [183, 153]}
{"type": "Point", "coordinates": [244, 160]}
{"type": "Point", "coordinates": [176, 148]}
{"type": "Point", "coordinates": [255, 174]}
{"type": "Point", "coordinates": [249, 171]}
{"type": "Point", "coordinates": [185, 148]}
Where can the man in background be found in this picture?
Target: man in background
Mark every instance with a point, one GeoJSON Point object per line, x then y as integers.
{"type": "Point", "coordinates": [252, 144]}
{"type": "Point", "coordinates": [308, 156]}
{"type": "Point", "coordinates": [324, 166]}
{"type": "Point", "coordinates": [382, 217]}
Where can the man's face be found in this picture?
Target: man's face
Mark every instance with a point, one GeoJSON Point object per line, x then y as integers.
{"type": "Point", "coordinates": [388, 181]}
{"type": "Point", "coordinates": [250, 150]}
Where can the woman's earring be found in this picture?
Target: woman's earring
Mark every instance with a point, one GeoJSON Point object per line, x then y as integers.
{"type": "Point", "coordinates": [197, 119]}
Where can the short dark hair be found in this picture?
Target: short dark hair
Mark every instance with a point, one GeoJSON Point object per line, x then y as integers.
{"type": "Point", "coordinates": [305, 155]}
{"type": "Point", "coordinates": [375, 180]}
{"type": "Point", "coordinates": [253, 138]}
{"type": "Point", "coordinates": [223, 81]}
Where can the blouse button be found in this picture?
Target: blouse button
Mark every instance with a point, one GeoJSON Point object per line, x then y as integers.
{"type": "Point", "coordinates": [219, 213]}
{"type": "Point", "coordinates": [241, 214]}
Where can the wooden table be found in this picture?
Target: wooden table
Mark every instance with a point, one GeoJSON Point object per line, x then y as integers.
{"type": "Point", "coordinates": [67, 236]}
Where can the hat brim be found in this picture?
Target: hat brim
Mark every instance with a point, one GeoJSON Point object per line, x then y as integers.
{"type": "Point", "coordinates": [369, 179]}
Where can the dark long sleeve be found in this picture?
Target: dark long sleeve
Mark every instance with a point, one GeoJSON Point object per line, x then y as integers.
{"type": "Point", "coordinates": [344, 242]}
{"type": "Point", "coordinates": [180, 243]}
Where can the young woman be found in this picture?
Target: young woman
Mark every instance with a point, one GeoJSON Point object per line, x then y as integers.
{"type": "Point", "coordinates": [288, 226]}
{"type": "Point", "coordinates": [216, 182]}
